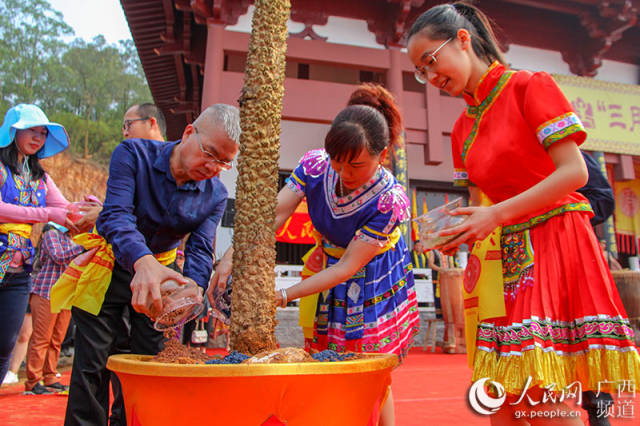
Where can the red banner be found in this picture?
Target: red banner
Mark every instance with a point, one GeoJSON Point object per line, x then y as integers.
{"type": "Point", "coordinates": [298, 228]}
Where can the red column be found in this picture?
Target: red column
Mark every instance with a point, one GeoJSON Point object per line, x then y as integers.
{"type": "Point", "coordinates": [213, 65]}
{"type": "Point", "coordinates": [394, 75]}
{"type": "Point", "coordinates": [624, 170]}
{"type": "Point", "coordinates": [399, 159]}
{"type": "Point", "coordinates": [433, 150]}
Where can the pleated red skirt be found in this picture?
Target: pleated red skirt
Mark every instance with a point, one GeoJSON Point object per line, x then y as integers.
{"type": "Point", "coordinates": [564, 320]}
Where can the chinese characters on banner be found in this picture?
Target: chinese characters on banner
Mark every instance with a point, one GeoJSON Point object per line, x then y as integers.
{"type": "Point", "coordinates": [627, 214]}
{"type": "Point", "coordinates": [298, 229]}
{"type": "Point", "coordinates": [610, 113]}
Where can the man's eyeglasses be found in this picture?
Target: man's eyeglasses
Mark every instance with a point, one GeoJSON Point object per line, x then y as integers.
{"type": "Point", "coordinates": [429, 60]}
{"type": "Point", "coordinates": [226, 165]}
{"type": "Point", "coordinates": [126, 124]}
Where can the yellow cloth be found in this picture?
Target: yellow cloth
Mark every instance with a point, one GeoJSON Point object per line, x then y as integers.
{"type": "Point", "coordinates": [627, 217]}
{"type": "Point", "coordinates": [315, 261]}
{"type": "Point", "coordinates": [14, 232]}
{"type": "Point", "coordinates": [21, 229]}
{"type": "Point", "coordinates": [85, 281]}
{"type": "Point", "coordinates": [483, 286]}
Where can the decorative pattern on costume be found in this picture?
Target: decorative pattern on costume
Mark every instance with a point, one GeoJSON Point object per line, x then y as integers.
{"type": "Point", "coordinates": [315, 162]}
{"type": "Point", "coordinates": [351, 203]}
{"type": "Point", "coordinates": [13, 244]}
{"type": "Point", "coordinates": [3, 175]}
{"type": "Point", "coordinates": [561, 337]}
{"type": "Point", "coordinates": [480, 110]}
{"type": "Point", "coordinates": [29, 190]}
{"type": "Point", "coordinates": [323, 318]}
{"type": "Point", "coordinates": [353, 293]}
{"type": "Point", "coordinates": [460, 177]}
{"type": "Point", "coordinates": [396, 287]}
{"type": "Point", "coordinates": [339, 303]}
{"type": "Point", "coordinates": [397, 200]}
{"type": "Point", "coordinates": [5, 260]}
{"type": "Point", "coordinates": [472, 273]}
{"type": "Point", "coordinates": [558, 128]}
{"type": "Point", "coordinates": [293, 184]}
{"type": "Point", "coordinates": [536, 220]}
{"type": "Point", "coordinates": [361, 236]}
{"type": "Point", "coordinates": [23, 192]}
{"type": "Point", "coordinates": [371, 347]}
{"type": "Point", "coordinates": [392, 338]}
{"type": "Point", "coordinates": [517, 260]}
{"type": "Point", "coordinates": [354, 321]}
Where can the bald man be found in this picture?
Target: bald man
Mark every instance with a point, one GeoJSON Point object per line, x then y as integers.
{"type": "Point", "coordinates": [157, 193]}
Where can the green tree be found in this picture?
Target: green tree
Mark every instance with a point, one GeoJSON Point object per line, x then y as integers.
{"type": "Point", "coordinates": [30, 36]}
{"type": "Point", "coordinates": [133, 87]}
{"type": "Point", "coordinates": [86, 86]}
{"type": "Point", "coordinates": [103, 135]}
{"type": "Point", "coordinates": [95, 71]}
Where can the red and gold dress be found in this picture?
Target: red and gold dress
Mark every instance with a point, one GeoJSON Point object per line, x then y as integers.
{"type": "Point", "coordinates": [564, 318]}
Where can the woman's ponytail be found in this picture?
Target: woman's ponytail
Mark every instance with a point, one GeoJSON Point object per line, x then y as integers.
{"type": "Point", "coordinates": [443, 22]}
{"type": "Point", "coordinates": [488, 45]}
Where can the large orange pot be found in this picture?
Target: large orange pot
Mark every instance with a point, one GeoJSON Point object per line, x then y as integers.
{"type": "Point", "coordinates": [313, 393]}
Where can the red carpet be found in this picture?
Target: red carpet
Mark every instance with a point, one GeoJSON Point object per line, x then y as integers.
{"type": "Point", "coordinates": [429, 389]}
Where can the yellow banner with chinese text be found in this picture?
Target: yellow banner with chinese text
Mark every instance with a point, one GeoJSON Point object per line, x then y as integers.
{"type": "Point", "coordinates": [609, 111]}
{"type": "Point", "coordinates": [627, 212]}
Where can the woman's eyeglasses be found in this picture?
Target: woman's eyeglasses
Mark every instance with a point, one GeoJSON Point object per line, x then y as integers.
{"type": "Point", "coordinates": [429, 60]}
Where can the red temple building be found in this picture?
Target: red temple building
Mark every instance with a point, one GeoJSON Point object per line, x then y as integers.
{"type": "Point", "coordinates": [193, 54]}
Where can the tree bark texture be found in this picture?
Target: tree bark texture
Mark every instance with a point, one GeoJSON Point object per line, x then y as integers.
{"type": "Point", "coordinates": [253, 320]}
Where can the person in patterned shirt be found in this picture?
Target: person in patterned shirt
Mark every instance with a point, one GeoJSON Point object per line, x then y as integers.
{"type": "Point", "coordinates": [56, 251]}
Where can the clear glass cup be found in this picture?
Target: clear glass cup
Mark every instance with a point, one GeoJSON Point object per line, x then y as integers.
{"type": "Point", "coordinates": [436, 220]}
{"type": "Point", "coordinates": [180, 304]}
{"type": "Point", "coordinates": [73, 211]}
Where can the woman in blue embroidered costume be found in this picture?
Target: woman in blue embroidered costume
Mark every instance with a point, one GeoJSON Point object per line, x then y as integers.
{"type": "Point", "coordinates": [516, 145]}
{"type": "Point", "coordinates": [360, 269]}
{"type": "Point", "coordinates": [358, 291]}
{"type": "Point", "coordinates": [29, 196]}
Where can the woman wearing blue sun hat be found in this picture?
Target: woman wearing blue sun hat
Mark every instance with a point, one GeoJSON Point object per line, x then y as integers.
{"type": "Point", "coordinates": [29, 196]}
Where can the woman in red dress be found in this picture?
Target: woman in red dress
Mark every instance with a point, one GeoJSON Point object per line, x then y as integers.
{"type": "Point", "coordinates": [517, 143]}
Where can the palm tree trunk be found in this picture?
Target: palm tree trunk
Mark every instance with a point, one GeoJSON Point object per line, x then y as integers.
{"type": "Point", "coordinates": [253, 320]}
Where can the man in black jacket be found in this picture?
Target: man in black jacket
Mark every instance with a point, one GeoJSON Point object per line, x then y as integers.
{"type": "Point", "coordinates": [598, 191]}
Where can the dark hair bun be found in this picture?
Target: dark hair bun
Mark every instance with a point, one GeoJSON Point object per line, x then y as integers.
{"type": "Point", "coordinates": [376, 96]}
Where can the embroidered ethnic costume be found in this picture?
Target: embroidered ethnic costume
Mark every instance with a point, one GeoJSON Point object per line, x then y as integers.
{"type": "Point", "coordinates": [375, 310]}
{"type": "Point", "coordinates": [564, 318]}
{"type": "Point", "coordinates": [14, 237]}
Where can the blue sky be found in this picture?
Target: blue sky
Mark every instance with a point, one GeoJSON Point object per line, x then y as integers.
{"type": "Point", "coordinates": [89, 18]}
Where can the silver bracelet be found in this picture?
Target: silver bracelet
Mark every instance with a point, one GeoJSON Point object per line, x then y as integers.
{"type": "Point", "coordinates": [283, 292]}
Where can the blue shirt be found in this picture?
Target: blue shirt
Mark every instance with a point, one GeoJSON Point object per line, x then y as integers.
{"type": "Point", "coordinates": [145, 212]}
